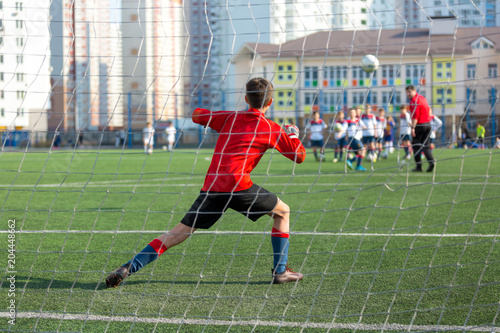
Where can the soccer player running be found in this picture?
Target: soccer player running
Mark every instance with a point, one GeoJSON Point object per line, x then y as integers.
{"type": "Point", "coordinates": [340, 128]}
{"type": "Point", "coordinates": [316, 127]}
{"type": "Point", "coordinates": [244, 137]}
{"type": "Point", "coordinates": [148, 137]}
{"type": "Point", "coordinates": [355, 133]}
{"type": "Point", "coordinates": [420, 128]}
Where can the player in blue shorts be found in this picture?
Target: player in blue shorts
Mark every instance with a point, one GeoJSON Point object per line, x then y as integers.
{"type": "Point", "coordinates": [369, 132]}
{"type": "Point", "coordinates": [316, 128]}
{"type": "Point", "coordinates": [340, 129]}
{"type": "Point", "coordinates": [355, 134]}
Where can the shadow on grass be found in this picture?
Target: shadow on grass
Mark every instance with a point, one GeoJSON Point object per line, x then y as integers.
{"type": "Point", "coordinates": [40, 283]}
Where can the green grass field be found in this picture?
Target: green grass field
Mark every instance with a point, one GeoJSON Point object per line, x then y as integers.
{"type": "Point", "coordinates": [414, 252]}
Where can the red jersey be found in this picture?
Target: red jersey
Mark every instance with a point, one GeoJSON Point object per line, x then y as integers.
{"type": "Point", "coordinates": [244, 137]}
{"type": "Point", "coordinates": [419, 109]}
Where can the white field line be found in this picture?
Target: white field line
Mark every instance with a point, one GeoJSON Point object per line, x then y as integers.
{"type": "Point", "coordinates": [142, 184]}
{"type": "Point", "coordinates": [215, 232]}
{"type": "Point", "coordinates": [165, 181]}
{"type": "Point", "coordinates": [262, 323]}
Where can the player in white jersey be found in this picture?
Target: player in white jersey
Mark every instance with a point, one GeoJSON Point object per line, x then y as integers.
{"type": "Point", "coordinates": [170, 131]}
{"type": "Point", "coordinates": [405, 131]}
{"type": "Point", "coordinates": [340, 129]}
{"type": "Point", "coordinates": [436, 123]}
{"type": "Point", "coordinates": [370, 131]}
{"type": "Point", "coordinates": [315, 129]}
{"type": "Point", "coordinates": [355, 134]}
{"type": "Point", "coordinates": [148, 137]}
{"type": "Point", "coordinates": [381, 125]}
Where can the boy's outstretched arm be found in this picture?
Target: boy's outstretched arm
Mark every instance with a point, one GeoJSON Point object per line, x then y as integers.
{"type": "Point", "coordinates": [290, 145]}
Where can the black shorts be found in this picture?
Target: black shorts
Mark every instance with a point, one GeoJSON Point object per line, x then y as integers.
{"type": "Point", "coordinates": [254, 203]}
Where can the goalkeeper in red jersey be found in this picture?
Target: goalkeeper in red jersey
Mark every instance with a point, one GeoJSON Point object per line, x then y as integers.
{"type": "Point", "coordinates": [244, 137]}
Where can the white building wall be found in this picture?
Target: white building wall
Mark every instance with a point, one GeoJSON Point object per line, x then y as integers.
{"type": "Point", "coordinates": [25, 64]}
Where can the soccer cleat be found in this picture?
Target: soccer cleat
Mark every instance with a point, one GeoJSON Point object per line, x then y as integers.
{"type": "Point", "coordinates": [417, 169]}
{"type": "Point", "coordinates": [374, 158]}
{"type": "Point", "coordinates": [287, 276]}
{"type": "Point", "coordinates": [430, 168]}
{"type": "Point", "coordinates": [360, 168]}
{"type": "Point", "coordinates": [408, 157]}
{"type": "Point", "coordinates": [114, 279]}
{"type": "Point", "coordinates": [349, 164]}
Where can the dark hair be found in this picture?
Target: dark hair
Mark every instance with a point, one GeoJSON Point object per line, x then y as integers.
{"type": "Point", "coordinates": [411, 88]}
{"type": "Point", "coordinates": [259, 92]}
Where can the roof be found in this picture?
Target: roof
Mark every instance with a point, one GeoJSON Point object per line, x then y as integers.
{"type": "Point", "coordinates": [378, 42]}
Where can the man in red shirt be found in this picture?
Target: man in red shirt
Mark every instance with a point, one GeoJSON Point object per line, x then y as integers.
{"type": "Point", "coordinates": [420, 128]}
{"type": "Point", "coordinates": [244, 137]}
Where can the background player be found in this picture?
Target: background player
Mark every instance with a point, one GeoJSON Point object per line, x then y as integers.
{"type": "Point", "coordinates": [170, 131]}
{"type": "Point", "coordinates": [355, 134]}
{"type": "Point", "coordinates": [436, 123]}
{"type": "Point", "coordinates": [243, 139]}
{"type": "Point", "coordinates": [369, 132]}
{"type": "Point", "coordinates": [316, 128]}
{"type": "Point", "coordinates": [389, 136]}
{"type": "Point", "coordinates": [405, 131]}
{"type": "Point", "coordinates": [340, 128]}
{"type": "Point", "coordinates": [148, 137]}
{"type": "Point", "coordinates": [381, 125]}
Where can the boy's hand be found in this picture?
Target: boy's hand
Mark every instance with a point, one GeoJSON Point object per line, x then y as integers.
{"type": "Point", "coordinates": [292, 131]}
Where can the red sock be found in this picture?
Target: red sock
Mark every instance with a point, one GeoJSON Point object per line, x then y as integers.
{"type": "Point", "coordinates": [158, 246]}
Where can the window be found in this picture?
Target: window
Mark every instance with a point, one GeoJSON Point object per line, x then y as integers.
{"type": "Point", "coordinates": [1, 58]}
{"type": "Point", "coordinates": [472, 95]}
{"type": "Point", "coordinates": [492, 70]}
{"type": "Point", "coordinates": [134, 51]}
{"type": "Point", "coordinates": [133, 17]}
{"type": "Point", "coordinates": [20, 112]}
{"type": "Point", "coordinates": [358, 97]}
{"type": "Point", "coordinates": [19, 24]}
{"type": "Point", "coordinates": [2, 112]}
{"type": "Point", "coordinates": [363, 22]}
{"type": "Point", "coordinates": [471, 71]}
{"type": "Point", "coordinates": [19, 41]}
{"type": "Point", "coordinates": [310, 98]}
{"type": "Point", "coordinates": [1, 76]}
{"type": "Point", "coordinates": [311, 76]}
{"type": "Point", "coordinates": [20, 77]}
{"type": "Point", "coordinates": [444, 70]}
{"type": "Point", "coordinates": [363, 10]}
{"type": "Point", "coordinates": [19, 6]}
{"type": "Point", "coordinates": [20, 94]}
{"type": "Point", "coordinates": [2, 94]}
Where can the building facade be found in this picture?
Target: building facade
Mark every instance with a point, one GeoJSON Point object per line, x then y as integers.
{"type": "Point", "coordinates": [153, 51]}
{"type": "Point", "coordinates": [24, 65]}
{"type": "Point", "coordinates": [87, 67]}
{"type": "Point", "coordinates": [472, 14]}
{"type": "Point", "coordinates": [458, 74]}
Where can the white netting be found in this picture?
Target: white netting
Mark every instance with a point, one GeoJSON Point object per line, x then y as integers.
{"type": "Point", "coordinates": [381, 250]}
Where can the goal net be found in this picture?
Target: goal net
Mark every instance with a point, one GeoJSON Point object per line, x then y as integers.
{"type": "Point", "coordinates": [100, 156]}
